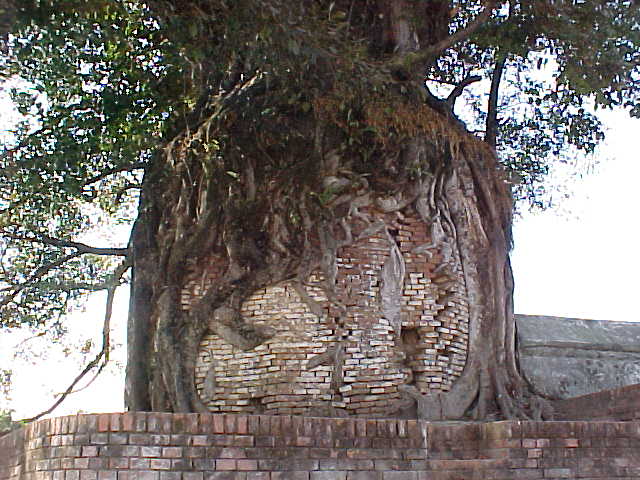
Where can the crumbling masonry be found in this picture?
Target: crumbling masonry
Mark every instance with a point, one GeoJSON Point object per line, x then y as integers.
{"type": "Point", "coordinates": [399, 316]}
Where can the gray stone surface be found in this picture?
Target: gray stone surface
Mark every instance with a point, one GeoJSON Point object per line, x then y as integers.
{"type": "Point", "coordinates": [569, 357]}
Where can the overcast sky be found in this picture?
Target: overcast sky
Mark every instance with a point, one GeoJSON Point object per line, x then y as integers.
{"type": "Point", "coordinates": [583, 259]}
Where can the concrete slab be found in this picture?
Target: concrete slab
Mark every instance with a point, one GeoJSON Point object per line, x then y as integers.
{"type": "Point", "coordinates": [569, 357]}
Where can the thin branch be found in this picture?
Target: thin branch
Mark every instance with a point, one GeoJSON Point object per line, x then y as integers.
{"type": "Point", "coordinates": [16, 349]}
{"type": "Point", "coordinates": [425, 55]}
{"type": "Point", "coordinates": [102, 358]}
{"type": "Point", "coordinates": [37, 275]}
{"type": "Point", "coordinates": [492, 110]}
{"type": "Point", "coordinates": [97, 287]}
{"type": "Point", "coordinates": [459, 88]}
{"type": "Point", "coordinates": [81, 248]}
{"type": "Point", "coordinates": [112, 171]}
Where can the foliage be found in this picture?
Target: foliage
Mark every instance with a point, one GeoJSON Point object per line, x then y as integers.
{"type": "Point", "coordinates": [5, 415]}
{"type": "Point", "coordinates": [5, 421]}
{"type": "Point", "coordinates": [564, 60]}
{"type": "Point", "coordinates": [88, 88]}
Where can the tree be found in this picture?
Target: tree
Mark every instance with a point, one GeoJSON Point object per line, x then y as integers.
{"type": "Point", "coordinates": [272, 134]}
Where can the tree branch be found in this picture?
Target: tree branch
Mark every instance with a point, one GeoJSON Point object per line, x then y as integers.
{"type": "Point", "coordinates": [459, 88]}
{"type": "Point", "coordinates": [425, 55]}
{"type": "Point", "coordinates": [112, 171]}
{"type": "Point", "coordinates": [38, 274]}
{"type": "Point", "coordinates": [102, 358]}
{"type": "Point", "coordinates": [81, 248]}
{"type": "Point", "coordinates": [491, 128]}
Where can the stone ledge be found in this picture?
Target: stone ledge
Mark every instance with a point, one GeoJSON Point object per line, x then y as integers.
{"type": "Point", "coordinates": [569, 357]}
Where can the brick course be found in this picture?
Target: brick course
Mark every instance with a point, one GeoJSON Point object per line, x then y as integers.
{"type": "Point", "coordinates": [252, 447]}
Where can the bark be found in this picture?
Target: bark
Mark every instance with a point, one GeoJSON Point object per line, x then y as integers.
{"type": "Point", "coordinates": [492, 111]}
{"type": "Point", "coordinates": [282, 197]}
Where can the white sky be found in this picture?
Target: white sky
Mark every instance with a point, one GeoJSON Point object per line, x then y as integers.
{"type": "Point", "coordinates": [584, 261]}
{"type": "Point", "coordinates": [578, 261]}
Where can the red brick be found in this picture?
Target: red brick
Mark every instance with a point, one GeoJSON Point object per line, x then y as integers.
{"type": "Point", "coordinates": [290, 476]}
{"type": "Point", "coordinates": [104, 422]}
{"type": "Point", "coordinates": [258, 476]}
{"type": "Point", "coordinates": [218, 423]}
{"type": "Point", "coordinates": [89, 451]}
{"type": "Point", "coordinates": [226, 464]}
{"type": "Point", "coordinates": [247, 465]}
{"type": "Point", "coordinates": [230, 424]}
{"type": "Point", "coordinates": [139, 463]}
{"type": "Point", "coordinates": [232, 452]}
{"type": "Point", "coordinates": [534, 453]}
{"type": "Point", "coordinates": [242, 425]}
{"type": "Point", "coordinates": [172, 452]}
{"type": "Point", "coordinates": [114, 422]}
{"type": "Point", "coordinates": [160, 464]}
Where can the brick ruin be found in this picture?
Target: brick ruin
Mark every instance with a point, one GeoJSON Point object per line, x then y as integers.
{"type": "Point", "coordinates": [365, 358]}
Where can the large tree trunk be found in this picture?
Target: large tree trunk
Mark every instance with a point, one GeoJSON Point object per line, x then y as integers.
{"type": "Point", "coordinates": [274, 197]}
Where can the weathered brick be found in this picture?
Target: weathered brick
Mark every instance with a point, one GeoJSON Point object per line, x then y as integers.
{"type": "Point", "coordinates": [81, 463]}
{"type": "Point", "coordinates": [140, 439]}
{"type": "Point", "coordinates": [225, 464]}
{"type": "Point", "coordinates": [247, 465]}
{"type": "Point", "coordinates": [364, 475]}
{"type": "Point", "coordinates": [335, 475]}
{"type": "Point", "coordinates": [159, 464]}
{"type": "Point", "coordinates": [88, 475]}
{"type": "Point", "coordinates": [107, 475]}
{"type": "Point", "coordinates": [170, 476]}
{"type": "Point", "coordinates": [119, 462]}
{"type": "Point", "coordinates": [104, 422]}
{"type": "Point", "coordinates": [218, 424]}
{"type": "Point", "coordinates": [139, 463]}
{"type": "Point", "coordinates": [226, 476]}
{"type": "Point", "coordinates": [99, 438]}
{"type": "Point", "coordinates": [204, 464]}
{"type": "Point", "coordinates": [119, 438]}
{"type": "Point", "coordinates": [193, 476]}
{"type": "Point", "coordinates": [160, 439]}
{"type": "Point", "coordinates": [98, 463]}
{"type": "Point", "coordinates": [150, 451]}
{"type": "Point", "coordinates": [290, 475]}
{"type": "Point", "coordinates": [232, 452]}
{"type": "Point", "coordinates": [288, 464]}
{"type": "Point", "coordinates": [258, 476]}
{"type": "Point", "coordinates": [172, 452]}
{"type": "Point", "coordinates": [147, 475]}
{"type": "Point", "coordinates": [89, 451]}
{"type": "Point", "coordinates": [180, 440]}
{"type": "Point", "coordinates": [194, 452]}
{"type": "Point", "coordinates": [200, 440]}
{"type": "Point", "coordinates": [399, 475]}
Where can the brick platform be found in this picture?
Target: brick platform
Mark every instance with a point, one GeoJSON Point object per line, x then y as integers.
{"type": "Point", "coordinates": [153, 446]}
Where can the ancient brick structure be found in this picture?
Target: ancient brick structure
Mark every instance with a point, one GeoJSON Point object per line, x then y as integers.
{"type": "Point", "coordinates": [155, 446]}
{"type": "Point", "coordinates": [398, 315]}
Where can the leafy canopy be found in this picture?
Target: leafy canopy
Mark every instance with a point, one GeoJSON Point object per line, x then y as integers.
{"type": "Point", "coordinates": [103, 85]}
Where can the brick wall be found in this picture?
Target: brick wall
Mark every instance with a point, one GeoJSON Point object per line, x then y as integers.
{"type": "Point", "coordinates": [615, 404]}
{"type": "Point", "coordinates": [429, 351]}
{"type": "Point", "coordinates": [152, 446]}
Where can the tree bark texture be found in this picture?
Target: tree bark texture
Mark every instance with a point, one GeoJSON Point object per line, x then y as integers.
{"type": "Point", "coordinates": [275, 177]}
